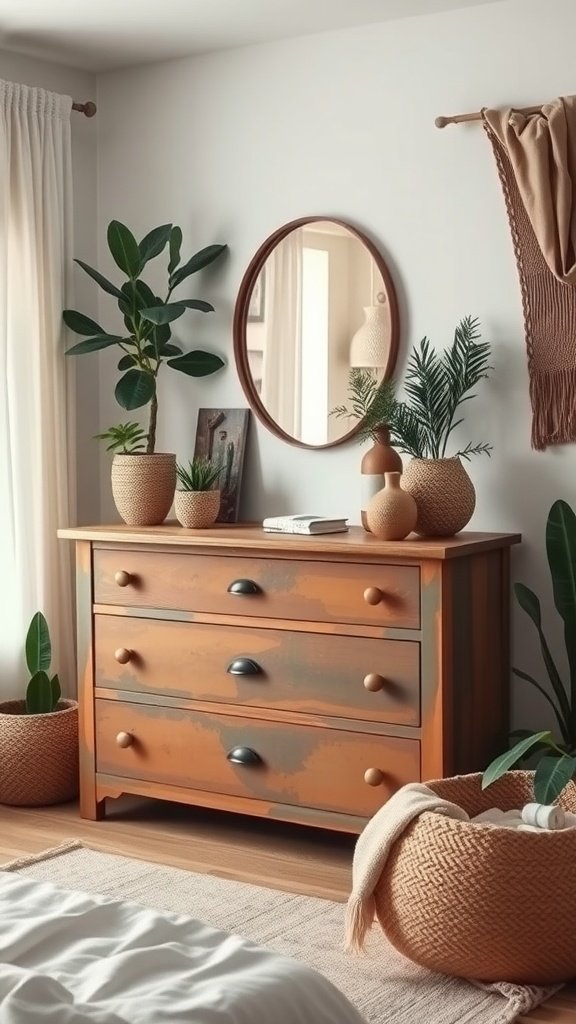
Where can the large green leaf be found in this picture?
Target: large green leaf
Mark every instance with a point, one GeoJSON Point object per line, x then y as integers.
{"type": "Point", "coordinates": [175, 246]}
{"type": "Point", "coordinates": [135, 389]}
{"type": "Point", "coordinates": [161, 335]}
{"type": "Point", "coordinates": [39, 694]}
{"type": "Point", "coordinates": [164, 314]}
{"type": "Point", "coordinates": [538, 686]}
{"type": "Point", "coordinates": [106, 285]}
{"type": "Point", "coordinates": [124, 249]}
{"type": "Point", "coordinates": [197, 364]}
{"type": "Point", "coordinates": [561, 551]}
{"type": "Point", "coordinates": [197, 262]}
{"type": "Point", "coordinates": [204, 307]}
{"type": "Point", "coordinates": [551, 776]}
{"type": "Point", "coordinates": [81, 324]}
{"type": "Point", "coordinates": [93, 344]}
{"type": "Point", "coordinates": [56, 690]}
{"type": "Point", "coordinates": [127, 362]}
{"type": "Point", "coordinates": [500, 765]}
{"type": "Point", "coordinates": [153, 243]}
{"type": "Point", "coordinates": [530, 603]}
{"type": "Point", "coordinates": [38, 646]}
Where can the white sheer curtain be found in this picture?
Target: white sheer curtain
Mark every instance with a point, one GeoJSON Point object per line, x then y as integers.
{"type": "Point", "coordinates": [36, 426]}
{"type": "Point", "coordinates": [282, 361]}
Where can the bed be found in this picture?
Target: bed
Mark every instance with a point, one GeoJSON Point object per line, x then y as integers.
{"type": "Point", "coordinates": [69, 958]}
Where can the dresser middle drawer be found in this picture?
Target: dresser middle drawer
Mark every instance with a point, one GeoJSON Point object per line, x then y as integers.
{"type": "Point", "coordinates": [317, 673]}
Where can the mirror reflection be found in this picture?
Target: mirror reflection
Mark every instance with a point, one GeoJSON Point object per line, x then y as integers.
{"type": "Point", "coordinates": [318, 307]}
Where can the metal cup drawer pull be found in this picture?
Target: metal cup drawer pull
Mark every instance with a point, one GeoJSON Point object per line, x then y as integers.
{"type": "Point", "coordinates": [373, 776]}
{"type": "Point", "coordinates": [122, 578]}
{"type": "Point", "coordinates": [123, 655]}
{"type": "Point", "coordinates": [374, 682]}
{"type": "Point", "coordinates": [244, 667]}
{"type": "Point", "coordinates": [124, 739]}
{"type": "Point", "coordinates": [244, 587]}
{"type": "Point", "coordinates": [243, 755]}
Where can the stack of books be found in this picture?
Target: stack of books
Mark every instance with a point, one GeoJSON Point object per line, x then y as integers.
{"type": "Point", "coordinates": [310, 525]}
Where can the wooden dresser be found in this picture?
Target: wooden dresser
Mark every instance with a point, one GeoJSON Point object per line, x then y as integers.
{"type": "Point", "coordinates": [302, 678]}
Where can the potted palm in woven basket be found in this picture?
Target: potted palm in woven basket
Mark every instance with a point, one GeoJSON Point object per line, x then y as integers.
{"type": "Point", "coordinates": [39, 734]}
{"type": "Point", "coordinates": [197, 502]}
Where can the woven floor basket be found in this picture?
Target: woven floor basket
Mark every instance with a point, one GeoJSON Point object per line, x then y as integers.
{"type": "Point", "coordinates": [486, 903]}
{"type": "Point", "coordinates": [38, 755]}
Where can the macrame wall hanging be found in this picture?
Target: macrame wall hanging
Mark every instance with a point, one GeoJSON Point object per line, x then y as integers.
{"type": "Point", "coordinates": [535, 152]}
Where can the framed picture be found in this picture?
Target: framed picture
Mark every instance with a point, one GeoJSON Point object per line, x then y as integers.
{"type": "Point", "coordinates": [257, 299]}
{"type": "Point", "coordinates": [221, 436]}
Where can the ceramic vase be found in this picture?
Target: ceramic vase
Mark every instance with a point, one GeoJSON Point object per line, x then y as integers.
{"type": "Point", "coordinates": [197, 510]}
{"type": "Point", "coordinates": [444, 494]}
{"type": "Point", "coordinates": [392, 512]}
{"type": "Point", "coordinates": [381, 458]}
{"type": "Point", "coordinates": [143, 487]}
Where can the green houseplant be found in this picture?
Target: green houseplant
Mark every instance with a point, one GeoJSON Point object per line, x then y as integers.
{"type": "Point", "coordinates": [143, 483]}
{"type": "Point", "coordinates": [39, 734]}
{"type": "Point", "coordinates": [197, 502]}
{"type": "Point", "coordinates": [555, 752]}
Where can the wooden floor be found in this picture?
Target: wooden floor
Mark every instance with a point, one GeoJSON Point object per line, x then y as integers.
{"type": "Point", "coordinates": [292, 858]}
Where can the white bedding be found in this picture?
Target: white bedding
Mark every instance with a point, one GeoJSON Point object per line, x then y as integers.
{"type": "Point", "coordinates": [68, 958]}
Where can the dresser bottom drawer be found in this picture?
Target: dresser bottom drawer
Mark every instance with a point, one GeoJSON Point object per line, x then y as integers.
{"type": "Point", "coordinates": [299, 765]}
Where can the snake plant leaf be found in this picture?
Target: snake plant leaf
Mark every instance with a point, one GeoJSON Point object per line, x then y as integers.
{"type": "Point", "coordinates": [197, 364]}
{"type": "Point", "coordinates": [164, 314]}
{"type": "Point", "coordinates": [561, 551]}
{"type": "Point", "coordinates": [197, 262]}
{"type": "Point", "coordinates": [204, 307]}
{"type": "Point", "coordinates": [530, 603]}
{"type": "Point", "coordinates": [93, 344]}
{"type": "Point", "coordinates": [175, 246]}
{"type": "Point", "coordinates": [105, 285]}
{"type": "Point", "coordinates": [124, 249]}
{"type": "Point", "coordinates": [153, 243]}
{"type": "Point", "coordinates": [39, 695]}
{"type": "Point", "coordinates": [500, 765]}
{"type": "Point", "coordinates": [551, 776]}
{"type": "Point", "coordinates": [135, 389]}
{"type": "Point", "coordinates": [38, 647]}
{"type": "Point", "coordinates": [81, 324]}
{"type": "Point", "coordinates": [56, 691]}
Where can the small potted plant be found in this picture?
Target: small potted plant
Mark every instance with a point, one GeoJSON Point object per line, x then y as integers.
{"type": "Point", "coordinates": [196, 502]}
{"type": "Point", "coordinates": [146, 480]}
{"type": "Point", "coordinates": [39, 735]}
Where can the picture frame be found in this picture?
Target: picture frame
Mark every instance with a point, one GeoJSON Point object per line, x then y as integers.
{"type": "Point", "coordinates": [221, 436]}
{"type": "Point", "coordinates": [257, 303]}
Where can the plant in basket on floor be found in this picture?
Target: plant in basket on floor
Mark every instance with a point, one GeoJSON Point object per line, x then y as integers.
{"type": "Point", "coordinates": [39, 735]}
{"type": "Point", "coordinates": [197, 503]}
{"type": "Point", "coordinates": [556, 753]}
{"type": "Point", "coordinates": [143, 482]}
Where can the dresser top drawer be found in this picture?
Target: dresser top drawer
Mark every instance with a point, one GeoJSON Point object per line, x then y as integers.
{"type": "Point", "coordinates": [345, 592]}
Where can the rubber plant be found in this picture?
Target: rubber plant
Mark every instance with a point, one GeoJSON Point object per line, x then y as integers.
{"type": "Point", "coordinates": [146, 345]}
{"type": "Point", "coordinates": [555, 751]}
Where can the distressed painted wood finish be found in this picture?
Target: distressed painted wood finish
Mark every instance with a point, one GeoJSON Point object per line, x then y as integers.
{"type": "Point", "coordinates": [297, 765]}
{"type": "Point", "coordinates": [318, 591]}
{"type": "Point", "coordinates": [351, 677]}
{"type": "Point", "coordinates": [90, 807]}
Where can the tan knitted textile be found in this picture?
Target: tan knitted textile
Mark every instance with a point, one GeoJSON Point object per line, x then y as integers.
{"type": "Point", "coordinates": [536, 159]}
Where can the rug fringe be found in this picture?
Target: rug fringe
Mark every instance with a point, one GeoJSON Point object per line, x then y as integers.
{"type": "Point", "coordinates": [359, 917]}
{"type": "Point", "coordinates": [553, 410]}
{"type": "Point", "coordinates": [36, 858]}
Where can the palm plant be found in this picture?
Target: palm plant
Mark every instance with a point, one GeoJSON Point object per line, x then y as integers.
{"type": "Point", "coordinates": [147, 344]}
{"type": "Point", "coordinates": [371, 402]}
{"type": "Point", "coordinates": [125, 438]}
{"type": "Point", "coordinates": [199, 475]}
{"type": "Point", "coordinates": [556, 752]}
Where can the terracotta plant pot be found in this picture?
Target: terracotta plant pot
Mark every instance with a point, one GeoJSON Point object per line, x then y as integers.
{"type": "Point", "coordinates": [38, 755]}
{"type": "Point", "coordinates": [381, 458]}
{"type": "Point", "coordinates": [196, 510]}
{"type": "Point", "coordinates": [392, 512]}
{"type": "Point", "coordinates": [143, 487]}
{"type": "Point", "coordinates": [444, 494]}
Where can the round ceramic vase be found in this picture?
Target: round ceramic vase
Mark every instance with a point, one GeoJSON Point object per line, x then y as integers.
{"type": "Point", "coordinates": [444, 494]}
{"type": "Point", "coordinates": [381, 458]}
{"type": "Point", "coordinates": [392, 512]}
{"type": "Point", "coordinates": [143, 487]}
{"type": "Point", "coordinates": [197, 510]}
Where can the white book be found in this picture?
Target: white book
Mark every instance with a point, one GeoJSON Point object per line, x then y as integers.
{"type": "Point", "coordinates": [304, 524]}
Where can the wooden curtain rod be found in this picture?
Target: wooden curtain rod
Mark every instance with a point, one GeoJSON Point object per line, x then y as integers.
{"type": "Point", "coordinates": [441, 122]}
{"type": "Point", "coordinates": [88, 109]}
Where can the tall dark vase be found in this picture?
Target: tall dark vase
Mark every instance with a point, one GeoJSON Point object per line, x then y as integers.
{"type": "Point", "coordinates": [381, 458]}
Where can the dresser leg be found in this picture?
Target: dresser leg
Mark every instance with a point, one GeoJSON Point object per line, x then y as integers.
{"type": "Point", "coordinates": [90, 807]}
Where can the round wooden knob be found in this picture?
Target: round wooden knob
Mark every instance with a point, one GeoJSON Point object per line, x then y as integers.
{"type": "Point", "coordinates": [124, 739]}
{"type": "Point", "coordinates": [374, 682]}
{"type": "Point", "coordinates": [373, 595]}
{"type": "Point", "coordinates": [374, 777]}
{"type": "Point", "coordinates": [122, 578]}
{"type": "Point", "coordinates": [123, 655]}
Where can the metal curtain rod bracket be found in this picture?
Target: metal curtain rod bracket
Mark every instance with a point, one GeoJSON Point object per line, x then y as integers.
{"type": "Point", "coordinates": [88, 109]}
{"type": "Point", "coordinates": [441, 122]}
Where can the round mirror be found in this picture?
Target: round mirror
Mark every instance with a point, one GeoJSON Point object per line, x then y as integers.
{"type": "Point", "coordinates": [316, 302]}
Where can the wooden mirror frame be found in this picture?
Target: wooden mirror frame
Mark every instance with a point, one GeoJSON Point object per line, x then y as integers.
{"type": "Point", "coordinates": [241, 319]}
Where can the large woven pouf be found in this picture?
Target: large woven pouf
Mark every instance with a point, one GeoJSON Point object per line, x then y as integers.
{"type": "Point", "coordinates": [483, 902]}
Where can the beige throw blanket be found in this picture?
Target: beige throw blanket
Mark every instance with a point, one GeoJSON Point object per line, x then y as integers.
{"type": "Point", "coordinates": [373, 848]}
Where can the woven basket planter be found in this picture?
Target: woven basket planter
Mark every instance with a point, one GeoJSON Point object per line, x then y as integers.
{"type": "Point", "coordinates": [487, 903]}
{"type": "Point", "coordinates": [197, 510]}
{"type": "Point", "coordinates": [143, 487]}
{"type": "Point", "coordinates": [38, 755]}
{"type": "Point", "coordinates": [444, 494]}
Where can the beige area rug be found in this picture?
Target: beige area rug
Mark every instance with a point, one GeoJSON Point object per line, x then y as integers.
{"type": "Point", "coordinates": [385, 987]}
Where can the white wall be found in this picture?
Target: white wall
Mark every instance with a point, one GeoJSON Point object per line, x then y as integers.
{"type": "Point", "coordinates": [234, 144]}
{"type": "Point", "coordinates": [81, 87]}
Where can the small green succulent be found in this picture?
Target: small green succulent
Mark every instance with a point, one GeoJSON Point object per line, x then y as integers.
{"type": "Point", "coordinates": [125, 438]}
{"type": "Point", "coordinates": [199, 475]}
